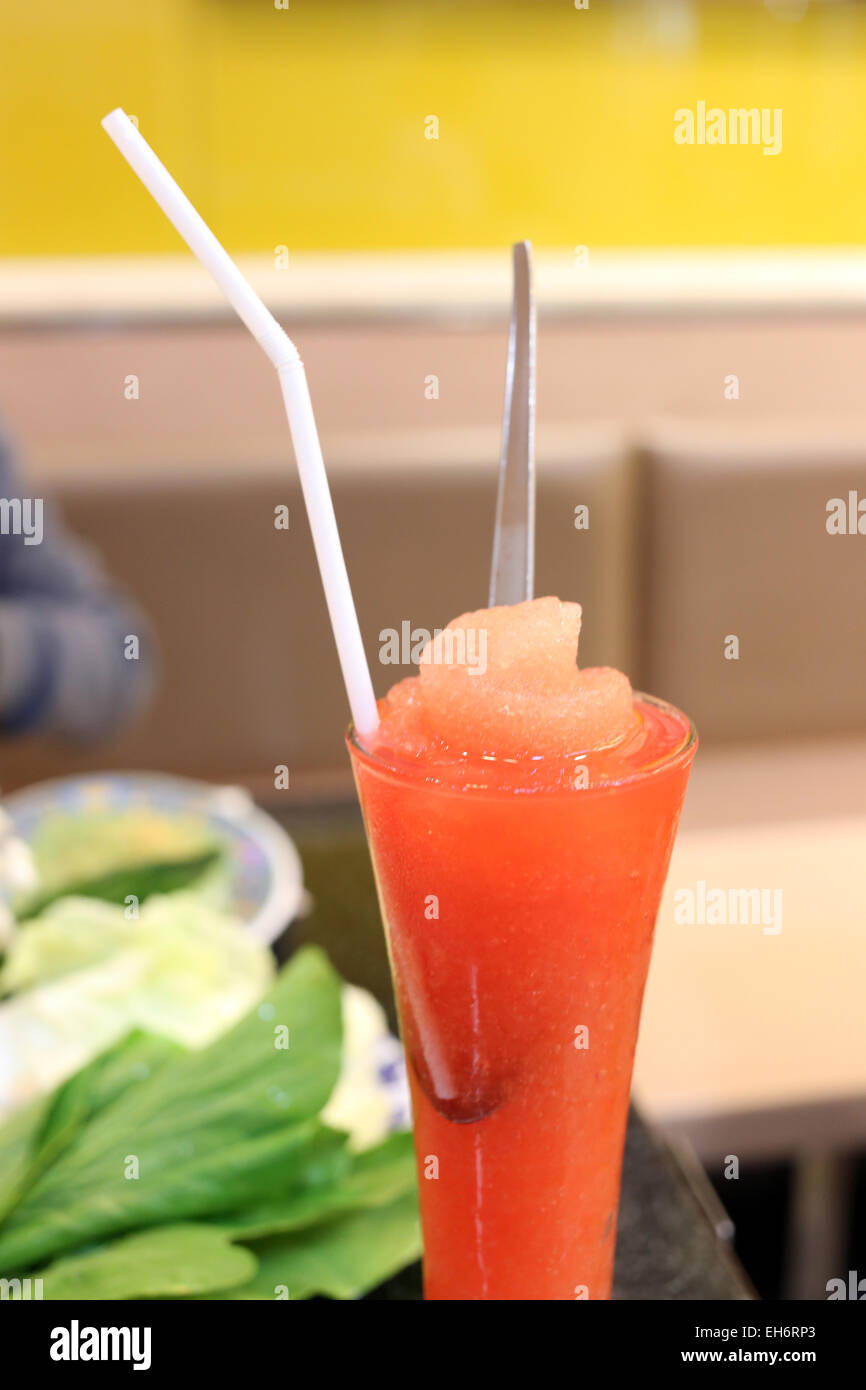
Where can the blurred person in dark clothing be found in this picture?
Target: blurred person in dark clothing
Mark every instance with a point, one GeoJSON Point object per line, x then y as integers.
{"type": "Point", "coordinates": [75, 656]}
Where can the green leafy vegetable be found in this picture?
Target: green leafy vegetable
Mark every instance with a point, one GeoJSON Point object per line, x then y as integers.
{"type": "Point", "coordinates": [169, 1262]}
{"type": "Point", "coordinates": [109, 855]}
{"type": "Point", "coordinates": [210, 1133]}
{"type": "Point", "coordinates": [39, 1132]}
{"type": "Point", "coordinates": [140, 881]}
{"type": "Point", "coordinates": [340, 1259]}
{"type": "Point", "coordinates": [18, 1141]}
{"type": "Point", "coordinates": [159, 1173]}
{"type": "Point", "coordinates": [84, 976]}
{"type": "Point", "coordinates": [375, 1177]}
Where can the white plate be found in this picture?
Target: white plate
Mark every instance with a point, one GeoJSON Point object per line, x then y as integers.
{"type": "Point", "coordinates": [265, 874]}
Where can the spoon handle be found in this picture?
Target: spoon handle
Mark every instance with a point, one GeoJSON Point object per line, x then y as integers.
{"type": "Point", "coordinates": [512, 571]}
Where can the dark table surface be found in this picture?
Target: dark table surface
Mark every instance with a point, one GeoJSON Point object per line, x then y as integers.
{"type": "Point", "coordinates": [667, 1245]}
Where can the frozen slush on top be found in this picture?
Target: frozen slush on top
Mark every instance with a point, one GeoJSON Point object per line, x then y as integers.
{"type": "Point", "coordinates": [505, 681]}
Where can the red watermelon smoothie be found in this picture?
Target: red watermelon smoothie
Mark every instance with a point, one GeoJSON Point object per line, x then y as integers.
{"type": "Point", "coordinates": [521, 814]}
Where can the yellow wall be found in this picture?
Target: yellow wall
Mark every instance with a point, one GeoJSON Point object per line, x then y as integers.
{"type": "Point", "coordinates": [306, 126]}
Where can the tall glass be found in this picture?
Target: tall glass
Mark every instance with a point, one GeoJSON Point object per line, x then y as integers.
{"type": "Point", "coordinates": [519, 911]}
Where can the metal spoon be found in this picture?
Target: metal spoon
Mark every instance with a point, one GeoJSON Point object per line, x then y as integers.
{"type": "Point", "coordinates": [512, 571]}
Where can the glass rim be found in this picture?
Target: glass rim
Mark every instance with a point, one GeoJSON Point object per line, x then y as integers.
{"type": "Point", "coordinates": [413, 773]}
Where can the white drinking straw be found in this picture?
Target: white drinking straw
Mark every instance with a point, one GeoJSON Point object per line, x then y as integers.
{"type": "Point", "coordinates": [296, 396]}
